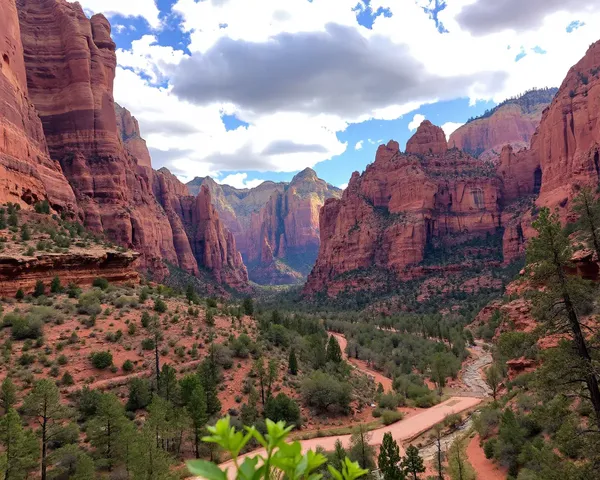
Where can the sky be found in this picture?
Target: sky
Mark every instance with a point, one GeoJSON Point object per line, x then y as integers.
{"type": "Point", "coordinates": [253, 90]}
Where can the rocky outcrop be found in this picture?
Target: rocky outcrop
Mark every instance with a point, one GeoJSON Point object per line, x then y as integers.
{"type": "Point", "coordinates": [129, 131]}
{"type": "Point", "coordinates": [27, 174]}
{"type": "Point", "coordinates": [429, 140]}
{"type": "Point", "coordinates": [201, 240]}
{"type": "Point", "coordinates": [513, 122]}
{"type": "Point", "coordinates": [80, 267]}
{"type": "Point", "coordinates": [276, 225]}
{"type": "Point", "coordinates": [406, 214]}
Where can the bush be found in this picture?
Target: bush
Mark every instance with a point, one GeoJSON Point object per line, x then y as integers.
{"type": "Point", "coordinates": [126, 301]}
{"type": "Point", "coordinates": [67, 379]}
{"type": "Point", "coordinates": [391, 416]}
{"type": "Point", "coordinates": [283, 408]}
{"type": "Point", "coordinates": [453, 420]}
{"type": "Point", "coordinates": [145, 319]}
{"type": "Point", "coordinates": [55, 286]}
{"type": "Point", "coordinates": [148, 344]}
{"type": "Point", "coordinates": [73, 291]}
{"type": "Point", "coordinates": [517, 344]}
{"type": "Point", "coordinates": [20, 294]}
{"type": "Point", "coordinates": [101, 283]}
{"type": "Point", "coordinates": [325, 392]}
{"type": "Point", "coordinates": [391, 401]}
{"type": "Point", "coordinates": [489, 448]}
{"type": "Point", "coordinates": [140, 394]}
{"type": "Point", "coordinates": [160, 306]}
{"type": "Point", "coordinates": [26, 359]}
{"type": "Point", "coordinates": [89, 304]}
{"type": "Point", "coordinates": [26, 327]}
{"type": "Point", "coordinates": [101, 360]}
{"type": "Point", "coordinates": [40, 289]}
{"type": "Point", "coordinates": [128, 366]}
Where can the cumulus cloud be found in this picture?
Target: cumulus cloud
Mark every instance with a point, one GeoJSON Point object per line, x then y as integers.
{"type": "Point", "coordinates": [358, 145]}
{"type": "Point", "coordinates": [416, 121]}
{"type": "Point", "coordinates": [127, 8]}
{"type": "Point", "coordinates": [343, 186]}
{"type": "Point", "coordinates": [286, 146]}
{"type": "Point", "coordinates": [484, 17]}
{"type": "Point", "coordinates": [338, 71]}
{"type": "Point", "coordinates": [239, 180]}
{"type": "Point", "coordinates": [450, 127]}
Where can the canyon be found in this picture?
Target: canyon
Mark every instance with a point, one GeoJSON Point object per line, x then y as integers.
{"type": "Point", "coordinates": [276, 225]}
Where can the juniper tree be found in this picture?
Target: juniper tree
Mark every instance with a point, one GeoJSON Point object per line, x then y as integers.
{"type": "Point", "coordinates": [587, 207]}
{"type": "Point", "coordinates": [565, 297]}
{"type": "Point", "coordinates": [293, 362]}
{"type": "Point", "coordinates": [334, 352]}
{"type": "Point", "coordinates": [389, 459]}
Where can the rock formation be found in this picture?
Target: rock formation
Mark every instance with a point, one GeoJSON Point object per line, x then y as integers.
{"type": "Point", "coordinates": [201, 240]}
{"type": "Point", "coordinates": [276, 225]}
{"type": "Point", "coordinates": [27, 174]}
{"type": "Point", "coordinates": [407, 213]}
{"type": "Point", "coordinates": [512, 122]}
{"type": "Point", "coordinates": [70, 67]}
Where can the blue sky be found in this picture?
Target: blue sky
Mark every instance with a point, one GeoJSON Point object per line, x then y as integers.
{"type": "Point", "coordinates": [248, 91]}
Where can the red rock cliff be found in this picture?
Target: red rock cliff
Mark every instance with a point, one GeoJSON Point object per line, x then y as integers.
{"type": "Point", "coordinates": [512, 122]}
{"type": "Point", "coordinates": [27, 174]}
{"type": "Point", "coordinates": [403, 208]}
{"type": "Point", "coordinates": [283, 238]}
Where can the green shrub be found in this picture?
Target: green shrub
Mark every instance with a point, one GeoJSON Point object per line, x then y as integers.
{"type": "Point", "coordinates": [67, 379]}
{"type": "Point", "coordinates": [391, 401]}
{"type": "Point", "coordinates": [39, 289]}
{"type": "Point", "coordinates": [126, 301]}
{"type": "Point", "coordinates": [148, 344]}
{"type": "Point", "coordinates": [391, 416]}
{"type": "Point", "coordinates": [101, 360]}
{"type": "Point", "coordinates": [26, 327]}
{"type": "Point", "coordinates": [283, 408]}
{"type": "Point", "coordinates": [55, 286]}
{"type": "Point", "coordinates": [26, 359]}
{"type": "Point", "coordinates": [489, 448]}
{"type": "Point", "coordinates": [160, 306]}
{"type": "Point", "coordinates": [128, 366]}
{"type": "Point", "coordinates": [101, 283]}
{"type": "Point", "coordinates": [20, 294]}
{"type": "Point", "coordinates": [89, 304]}
{"type": "Point", "coordinates": [145, 319]}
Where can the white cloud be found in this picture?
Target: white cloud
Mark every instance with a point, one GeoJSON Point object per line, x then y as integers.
{"type": "Point", "coordinates": [119, 28]}
{"type": "Point", "coordinates": [450, 127]}
{"type": "Point", "coordinates": [127, 8]}
{"type": "Point", "coordinates": [289, 136]}
{"type": "Point", "coordinates": [343, 186]}
{"type": "Point", "coordinates": [238, 180]}
{"type": "Point", "coordinates": [358, 145]}
{"type": "Point", "coordinates": [416, 121]}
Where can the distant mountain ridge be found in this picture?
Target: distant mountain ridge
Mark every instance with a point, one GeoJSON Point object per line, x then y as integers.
{"type": "Point", "coordinates": [276, 224]}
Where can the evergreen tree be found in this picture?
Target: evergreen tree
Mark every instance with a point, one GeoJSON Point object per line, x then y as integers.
{"type": "Point", "coordinates": [389, 459]}
{"type": "Point", "coordinates": [55, 286]}
{"type": "Point", "coordinates": [249, 413]}
{"type": "Point", "coordinates": [105, 428]}
{"type": "Point", "coordinates": [72, 463]}
{"type": "Point", "coordinates": [493, 378]}
{"type": "Point", "coordinates": [44, 407]}
{"type": "Point", "coordinates": [140, 395]}
{"type": "Point", "coordinates": [413, 462]}
{"type": "Point", "coordinates": [549, 257]}
{"type": "Point", "coordinates": [272, 376]}
{"type": "Point", "coordinates": [149, 461]}
{"type": "Point", "coordinates": [196, 409]}
{"type": "Point", "coordinates": [8, 394]}
{"type": "Point", "coordinates": [437, 429]}
{"type": "Point", "coordinates": [209, 377]}
{"type": "Point", "coordinates": [187, 385]}
{"type": "Point", "coordinates": [248, 306]}
{"type": "Point", "coordinates": [39, 289]}
{"type": "Point", "coordinates": [339, 454]}
{"type": "Point", "coordinates": [21, 449]}
{"type": "Point", "coordinates": [168, 387]}
{"type": "Point", "coordinates": [334, 352]}
{"type": "Point", "coordinates": [259, 369]}
{"type": "Point", "coordinates": [293, 363]}
{"type": "Point", "coordinates": [2, 220]}
{"type": "Point", "coordinates": [588, 207]}
{"type": "Point", "coordinates": [360, 449]}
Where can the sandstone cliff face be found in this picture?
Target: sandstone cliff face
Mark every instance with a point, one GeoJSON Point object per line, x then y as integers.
{"type": "Point", "coordinates": [201, 240]}
{"type": "Point", "coordinates": [276, 225]}
{"type": "Point", "coordinates": [27, 174]}
{"type": "Point", "coordinates": [429, 140]}
{"type": "Point", "coordinates": [407, 212]}
{"type": "Point", "coordinates": [567, 142]}
{"type": "Point", "coordinates": [70, 66]}
{"type": "Point", "coordinates": [512, 122]}
{"type": "Point", "coordinates": [284, 237]}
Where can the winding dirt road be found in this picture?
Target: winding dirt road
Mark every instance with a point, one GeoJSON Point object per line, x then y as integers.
{"type": "Point", "coordinates": [405, 429]}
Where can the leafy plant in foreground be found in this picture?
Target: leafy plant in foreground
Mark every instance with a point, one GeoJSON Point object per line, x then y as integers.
{"type": "Point", "coordinates": [278, 458]}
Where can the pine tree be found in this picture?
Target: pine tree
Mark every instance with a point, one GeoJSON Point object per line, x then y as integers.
{"type": "Point", "coordinates": [55, 286]}
{"type": "Point", "coordinates": [72, 463]}
{"type": "Point", "coordinates": [249, 412]}
{"type": "Point", "coordinates": [196, 409]}
{"type": "Point", "coordinates": [334, 352]}
{"type": "Point", "coordinates": [105, 428]}
{"type": "Point", "coordinates": [413, 462]}
{"type": "Point", "coordinates": [248, 306]}
{"type": "Point", "coordinates": [150, 462]}
{"type": "Point", "coordinates": [549, 257]}
{"type": "Point", "coordinates": [272, 376]}
{"type": "Point", "coordinates": [360, 449]}
{"type": "Point", "coordinates": [339, 454]}
{"type": "Point", "coordinates": [187, 385]}
{"type": "Point", "coordinates": [293, 363]}
{"type": "Point", "coordinates": [43, 406]}
{"type": "Point", "coordinates": [168, 387]}
{"type": "Point", "coordinates": [140, 395]}
{"type": "Point", "coordinates": [40, 289]}
{"type": "Point", "coordinates": [8, 394]}
{"type": "Point", "coordinates": [437, 429]}
{"type": "Point", "coordinates": [389, 459]}
{"type": "Point", "coordinates": [21, 449]}
{"type": "Point", "coordinates": [588, 207]}
{"type": "Point", "coordinates": [259, 369]}
{"type": "Point", "coordinates": [209, 376]}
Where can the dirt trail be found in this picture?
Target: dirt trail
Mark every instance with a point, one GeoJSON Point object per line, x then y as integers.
{"type": "Point", "coordinates": [361, 365]}
{"type": "Point", "coordinates": [486, 469]}
{"type": "Point", "coordinates": [410, 427]}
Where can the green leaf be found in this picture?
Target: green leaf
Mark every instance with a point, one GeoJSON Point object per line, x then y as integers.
{"type": "Point", "coordinates": [248, 470]}
{"type": "Point", "coordinates": [334, 473]}
{"type": "Point", "coordinates": [207, 470]}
